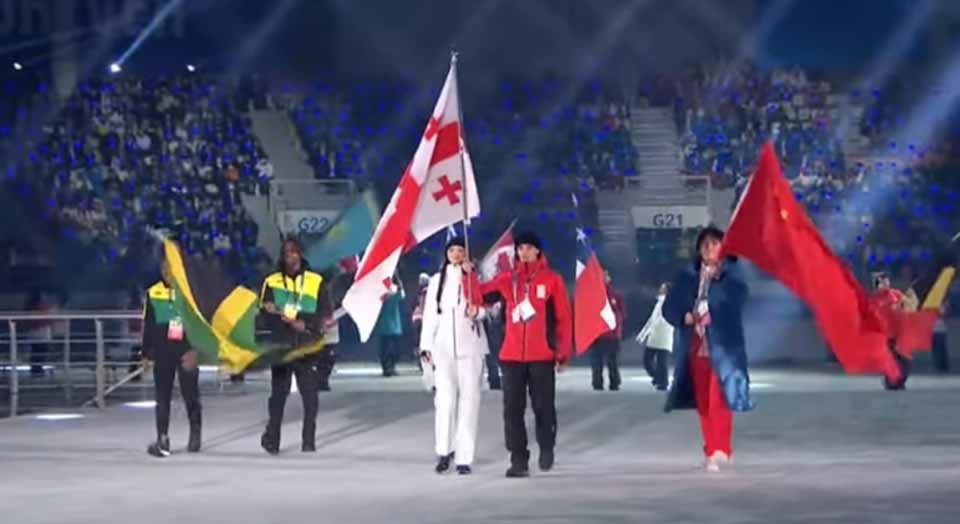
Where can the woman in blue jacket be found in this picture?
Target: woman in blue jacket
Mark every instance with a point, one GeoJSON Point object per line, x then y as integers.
{"type": "Point", "coordinates": [705, 306]}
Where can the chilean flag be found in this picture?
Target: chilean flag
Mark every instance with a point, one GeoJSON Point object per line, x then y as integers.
{"type": "Point", "coordinates": [592, 314]}
{"type": "Point", "coordinates": [501, 255]}
{"type": "Point", "coordinates": [437, 189]}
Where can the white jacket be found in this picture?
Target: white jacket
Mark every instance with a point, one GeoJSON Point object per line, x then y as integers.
{"type": "Point", "coordinates": [657, 333]}
{"type": "Point", "coordinates": [450, 331]}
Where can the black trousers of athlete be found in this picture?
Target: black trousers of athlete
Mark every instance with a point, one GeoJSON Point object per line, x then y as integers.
{"type": "Point", "coordinates": [655, 361]}
{"type": "Point", "coordinates": [539, 380]}
{"type": "Point", "coordinates": [493, 370]}
{"type": "Point", "coordinates": [941, 357]}
{"type": "Point", "coordinates": [325, 362]}
{"type": "Point", "coordinates": [903, 363]}
{"type": "Point", "coordinates": [390, 353]}
{"type": "Point", "coordinates": [605, 351]}
{"type": "Point", "coordinates": [308, 383]}
{"type": "Point", "coordinates": [166, 366]}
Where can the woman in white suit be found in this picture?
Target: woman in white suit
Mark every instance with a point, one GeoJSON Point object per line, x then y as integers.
{"type": "Point", "coordinates": [453, 340]}
{"type": "Point", "coordinates": [657, 338]}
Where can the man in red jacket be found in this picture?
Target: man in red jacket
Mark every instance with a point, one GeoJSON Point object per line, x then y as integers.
{"type": "Point", "coordinates": [538, 340]}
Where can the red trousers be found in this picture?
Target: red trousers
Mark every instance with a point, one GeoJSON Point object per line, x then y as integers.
{"type": "Point", "coordinates": [716, 419]}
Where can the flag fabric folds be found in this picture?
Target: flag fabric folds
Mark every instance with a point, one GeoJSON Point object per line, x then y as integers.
{"type": "Point", "coordinates": [348, 235]}
{"type": "Point", "coordinates": [500, 256]}
{"type": "Point", "coordinates": [914, 329]}
{"type": "Point", "coordinates": [437, 189]}
{"type": "Point", "coordinates": [772, 230]}
{"type": "Point", "coordinates": [592, 314]}
{"type": "Point", "coordinates": [219, 318]}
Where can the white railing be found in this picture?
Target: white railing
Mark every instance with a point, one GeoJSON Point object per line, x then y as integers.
{"type": "Point", "coordinates": [17, 325]}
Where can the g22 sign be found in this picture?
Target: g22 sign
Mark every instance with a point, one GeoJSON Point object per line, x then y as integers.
{"type": "Point", "coordinates": [669, 217]}
{"type": "Point", "coordinates": [306, 222]}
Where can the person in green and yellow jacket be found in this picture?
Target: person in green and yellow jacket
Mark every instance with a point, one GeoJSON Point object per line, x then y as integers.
{"type": "Point", "coordinates": [165, 344]}
{"type": "Point", "coordinates": [294, 309]}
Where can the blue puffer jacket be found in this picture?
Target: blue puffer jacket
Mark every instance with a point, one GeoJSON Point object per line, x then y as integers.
{"type": "Point", "coordinates": [727, 347]}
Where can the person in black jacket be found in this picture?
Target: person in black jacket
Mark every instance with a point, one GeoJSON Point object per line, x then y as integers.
{"type": "Point", "coordinates": [293, 310]}
{"type": "Point", "coordinates": [165, 343]}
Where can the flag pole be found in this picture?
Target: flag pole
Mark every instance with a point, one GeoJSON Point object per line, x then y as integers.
{"type": "Point", "coordinates": [463, 171]}
{"type": "Point", "coordinates": [463, 163]}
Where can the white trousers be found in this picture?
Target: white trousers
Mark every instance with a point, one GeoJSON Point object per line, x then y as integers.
{"type": "Point", "coordinates": [457, 404]}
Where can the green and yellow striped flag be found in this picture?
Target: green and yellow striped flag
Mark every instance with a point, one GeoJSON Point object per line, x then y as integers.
{"type": "Point", "coordinates": [219, 317]}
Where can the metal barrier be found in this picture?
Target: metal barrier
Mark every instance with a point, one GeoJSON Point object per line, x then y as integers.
{"type": "Point", "coordinates": [675, 189]}
{"type": "Point", "coordinates": [74, 335]}
{"type": "Point", "coordinates": [310, 194]}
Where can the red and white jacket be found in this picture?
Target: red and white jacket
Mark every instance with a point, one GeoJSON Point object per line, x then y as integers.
{"type": "Point", "coordinates": [548, 336]}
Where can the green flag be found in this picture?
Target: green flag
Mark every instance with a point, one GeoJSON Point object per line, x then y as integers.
{"type": "Point", "coordinates": [349, 234]}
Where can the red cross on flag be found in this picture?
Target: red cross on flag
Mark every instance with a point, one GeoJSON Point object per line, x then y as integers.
{"type": "Point", "coordinates": [437, 189]}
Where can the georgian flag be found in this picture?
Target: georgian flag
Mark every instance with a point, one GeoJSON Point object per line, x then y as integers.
{"type": "Point", "coordinates": [435, 190]}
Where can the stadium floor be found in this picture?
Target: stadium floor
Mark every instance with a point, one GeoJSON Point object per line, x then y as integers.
{"type": "Point", "coordinates": [821, 447]}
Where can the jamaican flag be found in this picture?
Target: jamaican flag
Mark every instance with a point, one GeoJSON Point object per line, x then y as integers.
{"type": "Point", "coordinates": [219, 317]}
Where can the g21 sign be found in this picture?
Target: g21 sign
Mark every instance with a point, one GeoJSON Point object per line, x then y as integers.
{"type": "Point", "coordinates": [669, 217]}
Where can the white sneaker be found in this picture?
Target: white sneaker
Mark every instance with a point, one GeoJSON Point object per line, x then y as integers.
{"type": "Point", "coordinates": [722, 458]}
{"type": "Point", "coordinates": [709, 464]}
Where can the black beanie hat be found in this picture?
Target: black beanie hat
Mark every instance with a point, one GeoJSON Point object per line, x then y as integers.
{"type": "Point", "coordinates": [528, 238]}
{"type": "Point", "coordinates": [456, 241]}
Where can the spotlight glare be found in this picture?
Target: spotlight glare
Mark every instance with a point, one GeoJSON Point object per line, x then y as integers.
{"type": "Point", "coordinates": [59, 416]}
{"type": "Point", "coordinates": [191, 68]}
{"type": "Point", "coordinates": [143, 404]}
{"type": "Point", "coordinates": [17, 66]}
{"type": "Point", "coordinates": [115, 68]}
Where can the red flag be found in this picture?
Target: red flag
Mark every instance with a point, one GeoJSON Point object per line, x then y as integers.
{"type": "Point", "coordinates": [771, 229]}
{"type": "Point", "coordinates": [500, 256]}
{"type": "Point", "coordinates": [433, 192]}
{"type": "Point", "coordinates": [593, 316]}
{"type": "Point", "coordinates": [915, 331]}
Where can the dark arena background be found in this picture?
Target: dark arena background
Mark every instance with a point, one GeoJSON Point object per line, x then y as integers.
{"type": "Point", "coordinates": [227, 126]}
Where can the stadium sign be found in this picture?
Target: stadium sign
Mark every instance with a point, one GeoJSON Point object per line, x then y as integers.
{"type": "Point", "coordinates": [669, 217]}
{"type": "Point", "coordinates": [306, 221]}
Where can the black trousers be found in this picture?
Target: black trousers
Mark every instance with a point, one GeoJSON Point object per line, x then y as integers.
{"type": "Point", "coordinates": [389, 353]}
{"type": "Point", "coordinates": [325, 362]}
{"type": "Point", "coordinates": [605, 351]}
{"type": "Point", "coordinates": [941, 358]}
{"type": "Point", "coordinates": [38, 357]}
{"type": "Point", "coordinates": [905, 365]}
{"type": "Point", "coordinates": [308, 382]}
{"type": "Point", "coordinates": [493, 370]}
{"type": "Point", "coordinates": [539, 379]}
{"type": "Point", "coordinates": [165, 367]}
{"type": "Point", "coordinates": [655, 361]}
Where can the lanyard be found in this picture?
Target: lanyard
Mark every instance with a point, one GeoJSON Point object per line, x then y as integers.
{"type": "Point", "coordinates": [526, 285]}
{"type": "Point", "coordinates": [297, 290]}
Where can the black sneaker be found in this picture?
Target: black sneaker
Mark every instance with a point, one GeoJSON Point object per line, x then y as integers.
{"type": "Point", "coordinates": [270, 444]}
{"type": "Point", "coordinates": [443, 463]}
{"type": "Point", "coordinates": [464, 470]}
{"type": "Point", "coordinates": [193, 444]}
{"type": "Point", "coordinates": [517, 471]}
{"type": "Point", "coordinates": [308, 447]}
{"type": "Point", "coordinates": [160, 448]}
{"type": "Point", "coordinates": [546, 460]}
